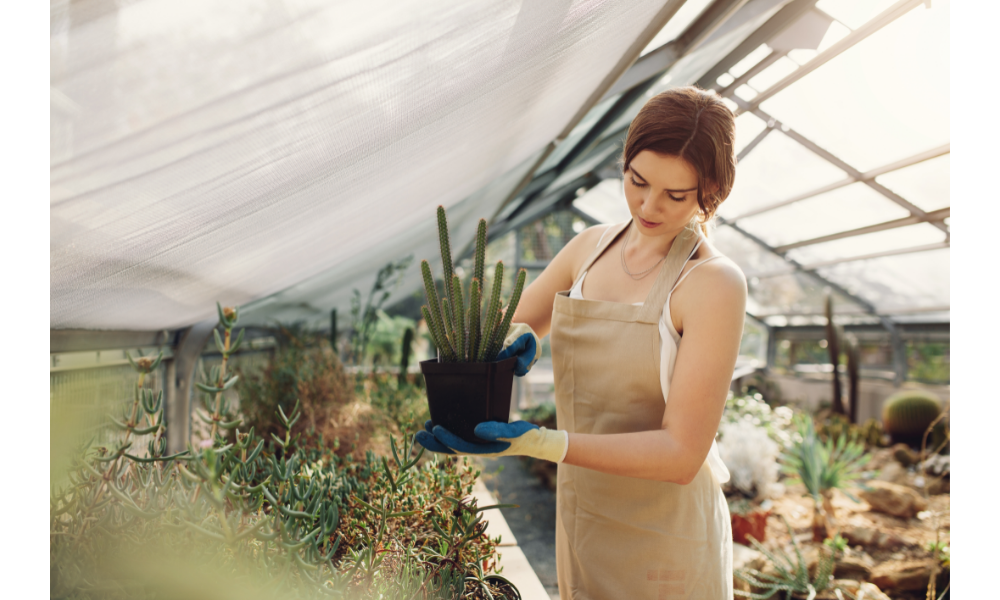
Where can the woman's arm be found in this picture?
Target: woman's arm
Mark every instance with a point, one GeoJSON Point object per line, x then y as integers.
{"type": "Point", "coordinates": [535, 306]}
{"type": "Point", "coordinates": [712, 305]}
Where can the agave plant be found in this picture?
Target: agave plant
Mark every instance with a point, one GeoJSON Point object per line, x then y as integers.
{"type": "Point", "coordinates": [463, 331]}
{"type": "Point", "coordinates": [822, 468]}
{"type": "Point", "coordinates": [791, 576]}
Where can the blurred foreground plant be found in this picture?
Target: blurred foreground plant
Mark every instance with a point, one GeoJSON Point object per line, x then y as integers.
{"type": "Point", "coordinates": [255, 517]}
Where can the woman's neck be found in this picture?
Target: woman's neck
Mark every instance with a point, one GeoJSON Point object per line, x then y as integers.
{"type": "Point", "coordinates": [643, 245]}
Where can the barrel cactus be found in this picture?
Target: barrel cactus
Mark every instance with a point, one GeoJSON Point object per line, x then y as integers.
{"type": "Point", "coordinates": [907, 415]}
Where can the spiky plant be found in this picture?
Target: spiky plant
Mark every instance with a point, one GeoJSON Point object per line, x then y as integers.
{"type": "Point", "coordinates": [822, 468]}
{"type": "Point", "coordinates": [792, 576]}
{"type": "Point", "coordinates": [462, 328]}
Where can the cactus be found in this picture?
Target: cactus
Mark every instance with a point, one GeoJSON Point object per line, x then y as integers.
{"type": "Point", "coordinates": [404, 354]}
{"type": "Point", "coordinates": [460, 331]}
{"type": "Point", "coordinates": [908, 414]}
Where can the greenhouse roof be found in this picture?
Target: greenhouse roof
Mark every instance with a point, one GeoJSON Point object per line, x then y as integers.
{"type": "Point", "coordinates": [276, 155]}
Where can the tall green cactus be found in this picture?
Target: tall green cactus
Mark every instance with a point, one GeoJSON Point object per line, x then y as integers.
{"type": "Point", "coordinates": [466, 334]}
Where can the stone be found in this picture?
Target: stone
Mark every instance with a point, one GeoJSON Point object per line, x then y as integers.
{"type": "Point", "coordinates": [903, 575]}
{"type": "Point", "coordinates": [745, 557]}
{"type": "Point", "coordinates": [856, 565]}
{"type": "Point", "coordinates": [872, 538]}
{"type": "Point", "coordinates": [893, 499]}
{"type": "Point", "coordinates": [893, 473]}
{"type": "Point", "coordinates": [855, 588]}
{"type": "Point", "coordinates": [905, 455]}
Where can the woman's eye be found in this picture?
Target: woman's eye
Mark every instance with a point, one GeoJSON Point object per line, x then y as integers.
{"type": "Point", "coordinates": [681, 199]}
{"type": "Point", "coordinates": [636, 183]}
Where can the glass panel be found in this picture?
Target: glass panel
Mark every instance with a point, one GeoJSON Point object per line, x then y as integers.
{"type": "Point", "coordinates": [581, 129]}
{"type": "Point", "coordinates": [910, 236]}
{"type": "Point", "coordinates": [850, 207]}
{"type": "Point", "coordinates": [773, 74]}
{"type": "Point", "coordinates": [748, 125]}
{"type": "Point", "coordinates": [854, 13]}
{"type": "Point", "coordinates": [749, 255]}
{"type": "Point", "coordinates": [925, 184]}
{"type": "Point", "coordinates": [834, 34]}
{"type": "Point", "coordinates": [750, 60]}
{"type": "Point", "coordinates": [794, 295]}
{"type": "Point", "coordinates": [777, 169]}
{"type": "Point", "coordinates": [745, 92]}
{"type": "Point", "coordinates": [605, 202]}
{"type": "Point", "coordinates": [725, 79]}
{"type": "Point", "coordinates": [677, 24]}
{"type": "Point", "coordinates": [883, 100]}
{"type": "Point", "coordinates": [904, 282]}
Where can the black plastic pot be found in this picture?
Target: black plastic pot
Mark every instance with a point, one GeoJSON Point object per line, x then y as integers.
{"type": "Point", "coordinates": [463, 395]}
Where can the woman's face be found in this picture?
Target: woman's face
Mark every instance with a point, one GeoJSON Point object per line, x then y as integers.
{"type": "Point", "coordinates": [662, 193]}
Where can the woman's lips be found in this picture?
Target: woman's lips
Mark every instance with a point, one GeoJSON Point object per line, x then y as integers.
{"type": "Point", "coordinates": [646, 223]}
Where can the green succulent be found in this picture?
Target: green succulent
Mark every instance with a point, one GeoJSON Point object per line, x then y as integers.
{"type": "Point", "coordinates": [458, 326]}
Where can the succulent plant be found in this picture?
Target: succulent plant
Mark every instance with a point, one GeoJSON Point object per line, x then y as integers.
{"type": "Point", "coordinates": [908, 414]}
{"type": "Point", "coordinates": [467, 332]}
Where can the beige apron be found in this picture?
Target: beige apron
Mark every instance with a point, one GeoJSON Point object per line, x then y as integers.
{"type": "Point", "coordinates": [623, 537]}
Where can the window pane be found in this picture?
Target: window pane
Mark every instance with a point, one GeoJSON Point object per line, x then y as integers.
{"type": "Point", "coordinates": [773, 74]}
{"type": "Point", "coordinates": [748, 125]}
{"type": "Point", "coordinates": [904, 282]}
{"type": "Point", "coordinates": [581, 129]}
{"type": "Point", "coordinates": [777, 169]}
{"type": "Point", "coordinates": [850, 207]}
{"type": "Point", "coordinates": [677, 24]}
{"type": "Point", "coordinates": [605, 202]}
{"type": "Point", "coordinates": [750, 256]}
{"type": "Point", "coordinates": [883, 100]}
{"type": "Point", "coordinates": [925, 184]}
{"type": "Point", "coordinates": [750, 60]}
{"type": "Point", "coordinates": [881, 241]}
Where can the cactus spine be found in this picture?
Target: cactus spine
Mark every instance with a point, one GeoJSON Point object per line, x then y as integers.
{"type": "Point", "coordinates": [466, 335]}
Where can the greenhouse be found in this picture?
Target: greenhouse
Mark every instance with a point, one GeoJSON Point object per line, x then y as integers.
{"type": "Point", "coordinates": [262, 214]}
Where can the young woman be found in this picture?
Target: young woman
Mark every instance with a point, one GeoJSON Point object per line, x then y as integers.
{"type": "Point", "coordinates": [640, 511]}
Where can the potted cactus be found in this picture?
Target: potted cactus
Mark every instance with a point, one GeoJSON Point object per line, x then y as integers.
{"type": "Point", "coordinates": [466, 385]}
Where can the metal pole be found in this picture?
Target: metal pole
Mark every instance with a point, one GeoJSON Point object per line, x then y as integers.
{"type": "Point", "coordinates": [179, 385]}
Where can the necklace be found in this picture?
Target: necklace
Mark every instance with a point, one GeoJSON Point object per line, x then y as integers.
{"type": "Point", "coordinates": [640, 275]}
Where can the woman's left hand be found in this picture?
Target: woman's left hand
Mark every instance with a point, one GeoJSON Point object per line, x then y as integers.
{"type": "Point", "coordinates": [519, 438]}
{"type": "Point", "coordinates": [521, 342]}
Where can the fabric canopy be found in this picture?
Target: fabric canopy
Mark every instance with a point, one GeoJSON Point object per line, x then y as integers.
{"type": "Point", "coordinates": [281, 152]}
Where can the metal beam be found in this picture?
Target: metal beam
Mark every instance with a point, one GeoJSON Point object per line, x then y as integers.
{"type": "Point", "coordinates": [509, 206]}
{"type": "Point", "coordinates": [177, 387]}
{"type": "Point", "coordinates": [83, 340]}
{"type": "Point", "coordinates": [753, 143]}
{"type": "Point", "coordinates": [872, 26]}
{"type": "Point", "coordinates": [937, 215]}
{"type": "Point", "coordinates": [769, 60]}
{"type": "Point", "coordinates": [780, 21]}
{"type": "Point", "coordinates": [837, 162]}
{"type": "Point", "coordinates": [867, 306]}
{"type": "Point", "coordinates": [866, 176]}
{"type": "Point", "coordinates": [837, 261]}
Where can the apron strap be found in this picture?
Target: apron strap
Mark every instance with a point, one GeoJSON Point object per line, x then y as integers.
{"type": "Point", "coordinates": [608, 238]}
{"type": "Point", "coordinates": [682, 249]}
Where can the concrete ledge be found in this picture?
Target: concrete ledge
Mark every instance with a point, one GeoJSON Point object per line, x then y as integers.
{"type": "Point", "coordinates": [515, 564]}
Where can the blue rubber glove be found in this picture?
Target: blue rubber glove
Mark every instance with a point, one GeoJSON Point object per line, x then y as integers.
{"type": "Point", "coordinates": [521, 342]}
{"type": "Point", "coordinates": [519, 438]}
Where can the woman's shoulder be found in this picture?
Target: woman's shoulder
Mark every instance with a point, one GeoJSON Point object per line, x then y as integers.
{"type": "Point", "coordinates": [718, 271]}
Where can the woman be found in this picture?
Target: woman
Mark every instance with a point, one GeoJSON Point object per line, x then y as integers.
{"type": "Point", "coordinates": [640, 511]}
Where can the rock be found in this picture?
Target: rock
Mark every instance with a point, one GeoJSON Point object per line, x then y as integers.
{"type": "Point", "coordinates": [893, 499]}
{"type": "Point", "coordinates": [857, 565]}
{"type": "Point", "coordinates": [893, 473]}
{"type": "Point", "coordinates": [871, 591]}
{"type": "Point", "coordinates": [903, 575]}
{"type": "Point", "coordinates": [872, 538]}
{"type": "Point", "coordinates": [905, 455]}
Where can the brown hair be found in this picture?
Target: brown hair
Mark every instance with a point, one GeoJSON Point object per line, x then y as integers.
{"type": "Point", "coordinates": [695, 125]}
